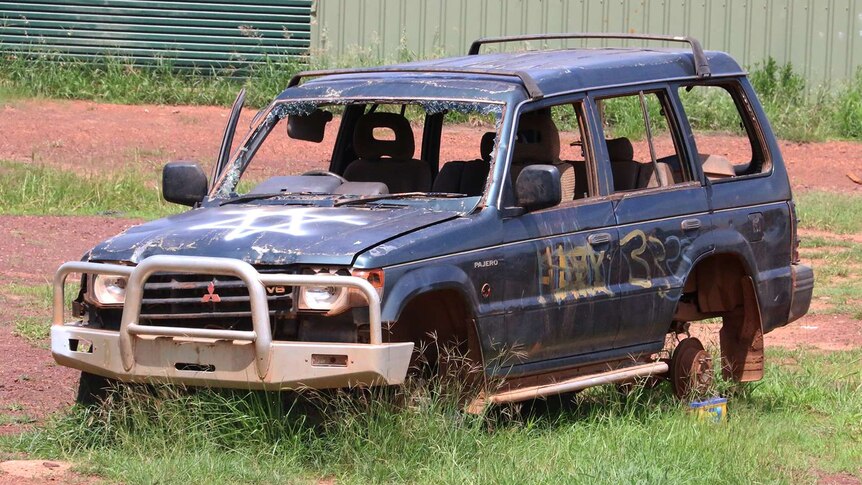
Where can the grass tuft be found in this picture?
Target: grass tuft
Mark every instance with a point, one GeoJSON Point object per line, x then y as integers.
{"type": "Point", "coordinates": [801, 419]}
{"type": "Point", "coordinates": [796, 110]}
{"type": "Point", "coordinates": [27, 189]}
{"type": "Point", "coordinates": [34, 330]}
{"type": "Point", "coordinates": [115, 80]}
{"type": "Point", "coordinates": [830, 211]}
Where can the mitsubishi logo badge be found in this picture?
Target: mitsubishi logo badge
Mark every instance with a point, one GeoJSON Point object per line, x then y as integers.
{"type": "Point", "coordinates": [211, 295]}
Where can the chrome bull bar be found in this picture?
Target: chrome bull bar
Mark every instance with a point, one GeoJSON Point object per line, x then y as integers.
{"type": "Point", "coordinates": [261, 333]}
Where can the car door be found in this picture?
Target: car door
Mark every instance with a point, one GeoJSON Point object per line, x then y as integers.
{"type": "Point", "coordinates": [661, 208]}
{"type": "Point", "coordinates": [559, 298]}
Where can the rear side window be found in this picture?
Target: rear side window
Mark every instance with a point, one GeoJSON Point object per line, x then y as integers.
{"type": "Point", "coordinates": [642, 145]}
{"type": "Point", "coordinates": [727, 142]}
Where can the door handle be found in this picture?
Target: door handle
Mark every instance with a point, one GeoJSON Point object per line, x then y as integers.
{"type": "Point", "coordinates": [690, 224]}
{"type": "Point", "coordinates": [599, 238]}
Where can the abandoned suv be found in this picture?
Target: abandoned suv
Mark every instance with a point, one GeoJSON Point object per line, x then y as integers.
{"type": "Point", "coordinates": [555, 214]}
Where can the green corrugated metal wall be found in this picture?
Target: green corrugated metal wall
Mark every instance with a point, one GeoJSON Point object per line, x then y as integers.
{"type": "Point", "coordinates": [205, 33]}
{"type": "Point", "coordinates": [820, 37]}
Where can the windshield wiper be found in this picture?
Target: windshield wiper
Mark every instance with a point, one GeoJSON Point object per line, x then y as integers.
{"type": "Point", "coordinates": [250, 197]}
{"type": "Point", "coordinates": [405, 195]}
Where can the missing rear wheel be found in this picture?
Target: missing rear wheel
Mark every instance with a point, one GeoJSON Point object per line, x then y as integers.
{"type": "Point", "coordinates": [690, 369]}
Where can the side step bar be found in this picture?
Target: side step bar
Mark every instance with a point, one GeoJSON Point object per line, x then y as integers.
{"type": "Point", "coordinates": [568, 385]}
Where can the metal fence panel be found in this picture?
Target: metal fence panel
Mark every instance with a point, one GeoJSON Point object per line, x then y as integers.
{"type": "Point", "coordinates": [821, 38]}
{"type": "Point", "coordinates": [206, 33]}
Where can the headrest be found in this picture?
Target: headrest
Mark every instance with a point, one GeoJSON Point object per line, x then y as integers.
{"type": "Point", "coordinates": [367, 147]}
{"type": "Point", "coordinates": [487, 145]}
{"type": "Point", "coordinates": [716, 166]}
{"type": "Point", "coordinates": [620, 149]}
{"type": "Point", "coordinates": [538, 140]}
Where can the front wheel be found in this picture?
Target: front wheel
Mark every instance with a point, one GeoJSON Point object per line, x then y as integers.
{"type": "Point", "coordinates": [93, 389]}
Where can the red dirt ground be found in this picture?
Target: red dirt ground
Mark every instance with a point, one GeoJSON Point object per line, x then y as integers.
{"type": "Point", "coordinates": [89, 136]}
{"type": "Point", "coordinates": [31, 249]}
{"type": "Point", "coordinates": [92, 136]}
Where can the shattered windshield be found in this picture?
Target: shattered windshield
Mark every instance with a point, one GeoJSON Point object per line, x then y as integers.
{"type": "Point", "coordinates": [365, 152]}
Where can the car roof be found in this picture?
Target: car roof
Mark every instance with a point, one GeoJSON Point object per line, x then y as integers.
{"type": "Point", "coordinates": [545, 73]}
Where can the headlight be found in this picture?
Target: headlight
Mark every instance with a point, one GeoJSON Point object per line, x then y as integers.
{"type": "Point", "coordinates": [108, 289]}
{"type": "Point", "coordinates": [321, 297]}
{"type": "Point", "coordinates": [334, 299]}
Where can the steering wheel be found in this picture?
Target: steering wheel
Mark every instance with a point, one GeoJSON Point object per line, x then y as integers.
{"type": "Point", "coordinates": [325, 173]}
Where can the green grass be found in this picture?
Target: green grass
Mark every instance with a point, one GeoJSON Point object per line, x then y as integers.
{"type": "Point", "coordinates": [830, 211]}
{"type": "Point", "coordinates": [796, 111]}
{"type": "Point", "coordinates": [40, 190]}
{"type": "Point", "coordinates": [39, 296]}
{"type": "Point", "coordinates": [31, 306]}
{"type": "Point", "coordinates": [34, 330]}
{"type": "Point", "coordinates": [805, 417]}
{"type": "Point", "coordinates": [114, 80]}
{"type": "Point", "coordinates": [838, 271]}
{"type": "Point", "coordinates": [15, 419]}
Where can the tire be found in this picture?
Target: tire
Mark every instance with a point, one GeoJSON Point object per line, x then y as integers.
{"type": "Point", "coordinates": [93, 389]}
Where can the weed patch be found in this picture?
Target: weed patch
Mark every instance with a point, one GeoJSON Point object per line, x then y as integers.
{"type": "Point", "coordinates": [799, 418]}
{"type": "Point", "coordinates": [838, 271]}
{"type": "Point", "coordinates": [796, 111]}
{"type": "Point", "coordinates": [830, 211]}
{"type": "Point", "coordinates": [40, 190]}
{"type": "Point", "coordinates": [31, 305]}
{"type": "Point", "coordinates": [39, 296]}
{"type": "Point", "coordinates": [34, 330]}
{"type": "Point", "coordinates": [15, 419]}
{"type": "Point", "coordinates": [115, 80]}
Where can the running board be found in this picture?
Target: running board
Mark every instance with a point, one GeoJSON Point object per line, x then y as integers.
{"type": "Point", "coordinates": [568, 385]}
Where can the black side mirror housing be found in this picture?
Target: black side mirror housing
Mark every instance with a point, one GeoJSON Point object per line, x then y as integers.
{"type": "Point", "coordinates": [184, 183]}
{"type": "Point", "coordinates": [538, 187]}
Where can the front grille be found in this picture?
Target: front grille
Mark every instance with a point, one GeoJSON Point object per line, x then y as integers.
{"type": "Point", "coordinates": [205, 301]}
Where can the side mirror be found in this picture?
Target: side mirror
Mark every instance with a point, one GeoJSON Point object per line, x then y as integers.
{"type": "Point", "coordinates": [538, 187]}
{"type": "Point", "coordinates": [184, 183]}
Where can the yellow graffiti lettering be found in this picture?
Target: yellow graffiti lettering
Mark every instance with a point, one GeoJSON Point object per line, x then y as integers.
{"type": "Point", "coordinates": [635, 255]}
{"type": "Point", "coordinates": [573, 273]}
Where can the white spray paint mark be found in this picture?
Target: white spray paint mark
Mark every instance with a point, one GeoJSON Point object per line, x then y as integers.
{"type": "Point", "coordinates": [293, 222]}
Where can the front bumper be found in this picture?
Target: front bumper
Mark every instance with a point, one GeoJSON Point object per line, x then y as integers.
{"type": "Point", "coordinates": [227, 363]}
{"type": "Point", "coordinates": [222, 358]}
{"type": "Point", "coordinates": [803, 287]}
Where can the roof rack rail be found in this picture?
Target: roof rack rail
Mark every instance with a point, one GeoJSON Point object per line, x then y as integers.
{"type": "Point", "coordinates": [701, 64]}
{"type": "Point", "coordinates": [528, 82]}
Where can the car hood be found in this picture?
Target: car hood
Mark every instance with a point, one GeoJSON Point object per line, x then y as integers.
{"type": "Point", "coordinates": [269, 234]}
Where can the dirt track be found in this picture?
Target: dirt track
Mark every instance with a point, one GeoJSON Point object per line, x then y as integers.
{"type": "Point", "coordinates": [89, 136]}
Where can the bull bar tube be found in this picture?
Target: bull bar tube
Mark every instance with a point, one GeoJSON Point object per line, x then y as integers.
{"type": "Point", "coordinates": [368, 364]}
